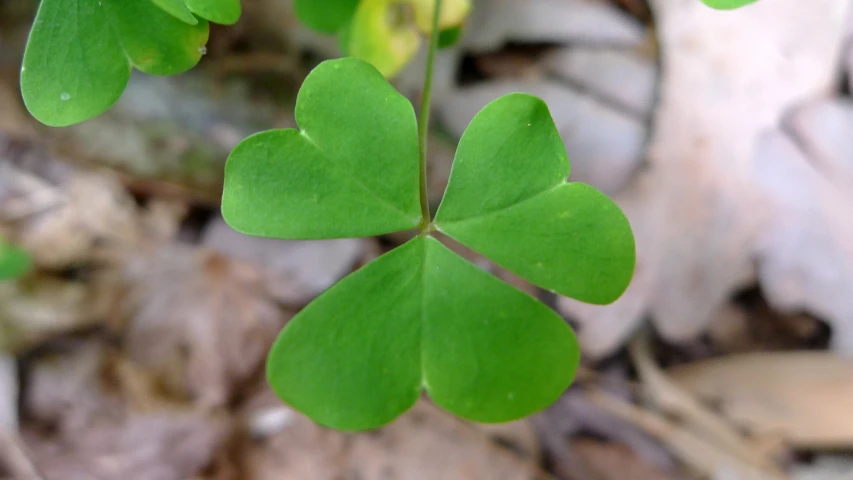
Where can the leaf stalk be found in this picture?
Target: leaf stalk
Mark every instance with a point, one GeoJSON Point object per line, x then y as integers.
{"type": "Point", "coordinates": [423, 120]}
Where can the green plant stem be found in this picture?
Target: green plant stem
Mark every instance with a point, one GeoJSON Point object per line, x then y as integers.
{"type": "Point", "coordinates": [423, 121]}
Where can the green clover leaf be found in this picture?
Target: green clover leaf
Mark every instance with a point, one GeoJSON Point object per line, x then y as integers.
{"type": "Point", "coordinates": [420, 317]}
{"type": "Point", "coordinates": [351, 171]}
{"type": "Point", "coordinates": [727, 4]}
{"type": "Point", "coordinates": [508, 199]}
{"type": "Point", "coordinates": [80, 54]}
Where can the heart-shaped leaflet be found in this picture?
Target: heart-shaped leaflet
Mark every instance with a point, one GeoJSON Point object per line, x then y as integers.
{"type": "Point", "coordinates": [421, 317]}
{"type": "Point", "coordinates": [508, 199]}
{"type": "Point", "coordinates": [351, 171]}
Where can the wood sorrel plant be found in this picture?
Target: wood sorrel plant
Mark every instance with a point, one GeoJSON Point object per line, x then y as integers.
{"type": "Point", "coordinates": [420, 317]}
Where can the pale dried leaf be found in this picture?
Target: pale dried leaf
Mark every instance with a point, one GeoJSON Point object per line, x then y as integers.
{"type": "Point", "coordinates": [801, 397]}
{"type": "Point", "coordinates": [696, 451]}
{"type": "Point", "coordinates": [672, 399]}
{"type": "Point", "coordinates": [727, 78]}
{"type": "Point", "coordinates": [806, 254]}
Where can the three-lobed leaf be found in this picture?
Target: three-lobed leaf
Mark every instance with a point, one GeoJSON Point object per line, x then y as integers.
{"type": "Point", "coordinates": [80, 54]}
{"type": "Point", "coordinates": [421, 317]}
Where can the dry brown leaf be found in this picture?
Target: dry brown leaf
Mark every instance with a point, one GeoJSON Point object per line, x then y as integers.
{"type": "Point", "coordinates": [202, 321]}
{"type": "Point", "coordinates": [424, 443]}
{"type": "Point", "coordinates": [802, 397]}
{"type": "Point", "coordinates": [672, 399]}
{"type": "Point", "coordinates": [727, 77]}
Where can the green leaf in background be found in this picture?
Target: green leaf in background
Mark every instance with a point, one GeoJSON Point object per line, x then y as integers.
{"type": "Point", "coordinates": [178, 9]}
{"type": "Point", "coordinates": [223, 12]}
{"type": "Point", "coordinates": [380, 34]}
{"type": "Point", "coordinates": [327, 16]}
{"type": "Point", "coordinates": [453, 13]}
{"type": "Point", "coordinates": [14, 262]}
{"type": "Point", "coordinates": [351, 171]}
{"type": "Point", "coordinates": [727, 4]}
{"type": "Point", "coordinates": [385, 33]}
{"type": "Point", "coordinates": [507, 198]}
{"type": "Point", "coordinates": [419, 317]}
{"type": "Point", "coordinates": [80, 53]}
{"type": "Point", "coordinates": [449, 37]}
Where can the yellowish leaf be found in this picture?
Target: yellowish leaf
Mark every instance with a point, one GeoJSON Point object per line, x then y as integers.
{"type": "Point", "coordinates": [453, 13]}
{"type": "Point", "coordinates": [382, 35]}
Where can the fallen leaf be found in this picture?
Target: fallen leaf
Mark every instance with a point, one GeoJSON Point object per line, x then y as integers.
{"type": "Point", "coordinates": [805, 257]}
{"type": "Point", "coordinates": [803, 398]}
{"type": "Point", "coordinates": [697, 453]}
{"type": "Point", "coordinates": [728, 77]}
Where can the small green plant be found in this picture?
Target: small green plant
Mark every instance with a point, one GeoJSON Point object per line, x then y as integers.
{"type": "Point", "coordinates": [14, 262]}
{"type": "Point", "coordinates": [420, 317]}
{"type": "Point", "coordinates": [80, 53]}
